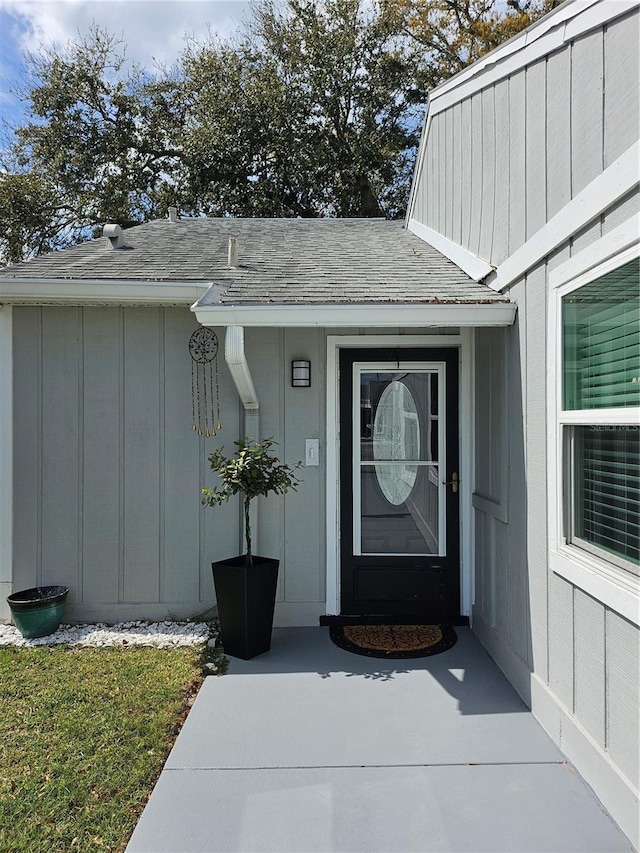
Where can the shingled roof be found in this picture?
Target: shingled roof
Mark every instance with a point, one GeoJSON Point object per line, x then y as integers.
{"type": "Point", "coordinates": [281, 261]}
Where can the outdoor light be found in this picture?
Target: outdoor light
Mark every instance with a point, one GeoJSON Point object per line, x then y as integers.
{"type": "Point", "coordinates": [300, 374]}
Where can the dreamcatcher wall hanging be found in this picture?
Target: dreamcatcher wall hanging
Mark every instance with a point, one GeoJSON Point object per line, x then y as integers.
{"type": "Point", "coordinates": [205, 390]}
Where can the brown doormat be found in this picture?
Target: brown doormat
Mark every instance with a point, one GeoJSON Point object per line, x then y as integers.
{"type": "Point", "coordinates": [394, 641]}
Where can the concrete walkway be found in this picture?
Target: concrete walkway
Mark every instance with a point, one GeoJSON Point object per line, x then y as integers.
{"type": "Point", "coordinates": [311, 748]}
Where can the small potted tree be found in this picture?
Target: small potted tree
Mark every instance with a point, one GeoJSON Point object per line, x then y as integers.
{"type": "Point", "coordinates": [246, 585]}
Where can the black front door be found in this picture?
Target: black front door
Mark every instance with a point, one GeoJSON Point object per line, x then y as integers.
{"type": "Point", "coordinates": [399, 500]}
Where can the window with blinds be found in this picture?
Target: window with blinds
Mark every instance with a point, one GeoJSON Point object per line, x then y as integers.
{"type": "Point", "coordinates": [606, 504]}
{"type": "Point", "coordinates": [601, 370]}
{"type": "Point", "coordinates": [601, 339]}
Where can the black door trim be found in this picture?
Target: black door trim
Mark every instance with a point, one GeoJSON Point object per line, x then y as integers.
{"type": "Point", "coordinates": [446, 569]}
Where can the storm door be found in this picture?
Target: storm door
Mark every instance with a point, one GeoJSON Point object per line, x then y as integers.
{"type": "Point", "coordinates": [399, 483]}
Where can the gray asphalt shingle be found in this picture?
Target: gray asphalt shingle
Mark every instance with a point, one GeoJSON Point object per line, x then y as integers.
{"type": "Point", "coordinates": [283, 261]}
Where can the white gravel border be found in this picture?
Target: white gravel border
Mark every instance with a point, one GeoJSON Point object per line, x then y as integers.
{"type": "Point", "coordinates": [160, 635]}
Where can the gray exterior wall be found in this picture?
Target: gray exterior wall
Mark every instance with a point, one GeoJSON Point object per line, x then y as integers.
{"type": "Point", "coordinates": [501, 162]}
{"type": "Point", "coordinates": [497, 165]}
{"type": "Point", "coordinates": [531, 619]}
{"type": "Point", "coordinates": [107, 470]}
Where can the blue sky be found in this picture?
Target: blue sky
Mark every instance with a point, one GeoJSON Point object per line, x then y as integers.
{"type": "Point", "coordinates": [151, 29]}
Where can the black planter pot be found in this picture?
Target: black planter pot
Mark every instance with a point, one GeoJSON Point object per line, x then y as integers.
{"type": "Point", "coordinates": [246, 598]}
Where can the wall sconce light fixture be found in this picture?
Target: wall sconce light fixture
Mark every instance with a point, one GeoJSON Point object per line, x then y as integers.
{"type": "Point", "coordinates": [300, 374]}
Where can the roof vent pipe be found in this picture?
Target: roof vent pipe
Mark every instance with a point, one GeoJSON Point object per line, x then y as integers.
{"type": "Point", "coordinates": [115, 235]}
{"type": "Point", "coordinates": [173, 214]}
{"type": "Point", "coordinates": [233, 252]}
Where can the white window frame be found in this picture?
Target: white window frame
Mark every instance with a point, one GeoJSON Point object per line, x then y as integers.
{"type": "Point", "coordinates": [614, 586]}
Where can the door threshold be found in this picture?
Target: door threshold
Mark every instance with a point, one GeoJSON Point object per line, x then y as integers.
{"type": "Point", "coordinates": [392, 619]}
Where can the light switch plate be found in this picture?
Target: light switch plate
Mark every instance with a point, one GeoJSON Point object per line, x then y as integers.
{"type": "Point", "coordinates": [312, 451]}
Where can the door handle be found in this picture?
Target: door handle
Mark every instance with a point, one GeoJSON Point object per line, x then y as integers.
{"type": "Point", "coordinates": [453, 482]}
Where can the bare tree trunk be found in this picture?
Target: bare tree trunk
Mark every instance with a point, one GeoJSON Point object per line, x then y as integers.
{"type": "Point", "coordinates": [247, 531]}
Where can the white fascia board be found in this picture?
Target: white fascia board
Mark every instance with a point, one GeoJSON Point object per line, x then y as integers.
{"type": "Point", "coordinates": [50, 291]}
{"type": "Point", "coordinates": [615, 182]}
{"type": "Point", "coordinates": [622, 239]}
{"type": "Point", "coordinates": [417, 169]}
{"type": "Point", "coordinates": [359, 316]}
{"type": "Point", "coordinates": [475, 267]}
{"type": "Point", "coordinates": [554, 30]}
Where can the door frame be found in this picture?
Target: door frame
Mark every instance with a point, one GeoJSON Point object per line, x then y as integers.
{"type": "Point", "coordinates": [464, 341]}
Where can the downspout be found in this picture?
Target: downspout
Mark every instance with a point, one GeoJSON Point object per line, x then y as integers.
{"type": "Point", "coordinates": [236, 359]}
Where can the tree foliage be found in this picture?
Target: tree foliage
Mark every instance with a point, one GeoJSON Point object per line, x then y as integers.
{"type": "Point", "coordinates": [100, 140]}
{"type": "Point", "coordinates": [30, 218]}
{"type": "Point", "coordinates": [251, 471]}
{"type": "Point", "coordinates": [456, 33]}
{"type": "Point", "coordinates": [312, 113]}
{"type": "Point", "coordinates": [313, 109]}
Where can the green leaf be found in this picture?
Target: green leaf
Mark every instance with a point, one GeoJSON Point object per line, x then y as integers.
{"type": "Point", "coordinates": [252, 471]}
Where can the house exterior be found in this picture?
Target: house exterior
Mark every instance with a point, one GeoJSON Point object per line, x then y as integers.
{"type": "Point", "coordinates": [530, 162]}
{"type": "Point", "coordinates": [472, 375]}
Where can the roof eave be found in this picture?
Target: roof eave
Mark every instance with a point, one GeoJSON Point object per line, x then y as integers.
{"type": "Point", "coordinates": [380, 315]}
{"type": "Point", "coordinates": [20, 290]}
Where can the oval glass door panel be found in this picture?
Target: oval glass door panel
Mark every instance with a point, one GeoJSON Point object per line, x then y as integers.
{"type": "Point", "coordinates": [398, 484]}
{"type": "Point", "coordinates": [396, 435]}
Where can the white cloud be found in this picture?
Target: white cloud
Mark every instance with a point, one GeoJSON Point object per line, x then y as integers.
{"type": "Point", "coordinates": [152, 30]}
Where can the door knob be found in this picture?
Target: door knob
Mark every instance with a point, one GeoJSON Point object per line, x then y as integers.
{"type": "Point", "coordinates": [453, 482]}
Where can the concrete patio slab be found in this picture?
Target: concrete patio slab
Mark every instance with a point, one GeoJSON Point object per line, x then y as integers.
{"type": "Point", "coordinates": [311, 748]}
{"type": "Point", "coordinates": [300, 720]}
{"type": "Point", "coordinates": [494, 808]}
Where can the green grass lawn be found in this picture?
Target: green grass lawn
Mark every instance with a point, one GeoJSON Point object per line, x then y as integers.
{"type": "Point", "coordinates": [83, 736]}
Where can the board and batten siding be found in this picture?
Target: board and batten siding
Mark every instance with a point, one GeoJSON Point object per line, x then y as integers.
{"type": "Point", "coordinates": [528, 143]}
{"type": "Point", "coordinates": [540, 136]}
{"type": "Point", "coordinates": [531, 619]}
{"type": "Point", "coordinates": [108, 471]}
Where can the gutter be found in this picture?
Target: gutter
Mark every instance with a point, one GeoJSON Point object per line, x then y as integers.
{"type": "Point", "coordinates": [380, 315]}
{"type": "Point", "coordinates": [21, 290]}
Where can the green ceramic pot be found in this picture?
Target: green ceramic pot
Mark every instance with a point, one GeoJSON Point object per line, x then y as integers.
{"type": "Point", "coordinates": [37, 612]}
